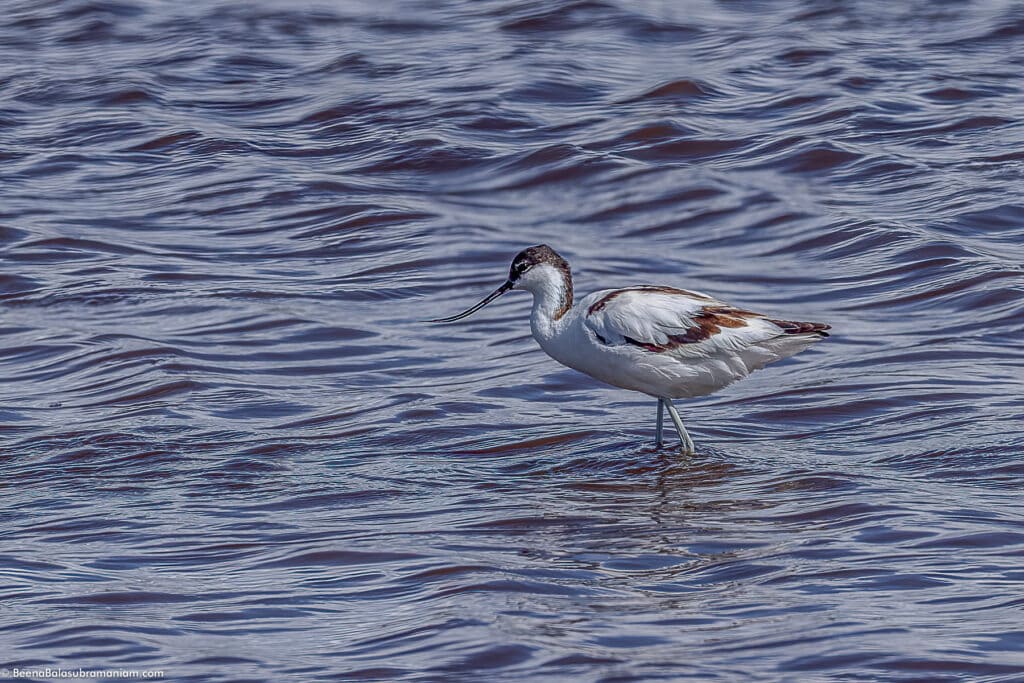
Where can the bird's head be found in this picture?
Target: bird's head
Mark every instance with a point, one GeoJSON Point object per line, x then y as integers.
{"type": "Point", "coordinates": [533, 269]}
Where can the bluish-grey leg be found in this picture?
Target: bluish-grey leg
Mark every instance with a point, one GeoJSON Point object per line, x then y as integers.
{"type": "Point", "coordinates": [688, 447]}
{"type": "Point", "coordinates": [661, 421]}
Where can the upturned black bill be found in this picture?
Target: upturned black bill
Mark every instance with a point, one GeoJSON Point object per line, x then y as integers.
{"type": "Point", "coordinates": [488, 299]}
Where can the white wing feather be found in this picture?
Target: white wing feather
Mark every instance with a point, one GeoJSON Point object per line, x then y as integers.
{"type": "Point", "coordinates": [680, 322]}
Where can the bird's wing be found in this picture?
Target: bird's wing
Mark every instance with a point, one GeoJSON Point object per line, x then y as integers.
{"type": "Point", "coordinates": [665, 319]}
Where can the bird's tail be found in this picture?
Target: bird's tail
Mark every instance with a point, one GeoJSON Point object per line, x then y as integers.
{"type": "Point", "coordinates": [794, 338]}
{"type": "Point", "coordinates": [791, 327]}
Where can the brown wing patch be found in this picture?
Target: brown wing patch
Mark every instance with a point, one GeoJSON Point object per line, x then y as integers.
{"type": "Point", "coordinates": [793, 327]}
{"type": "Point", "coordinates": [656, 289]}
{"type": "Point", "coordinates": [727, 316]}
{"type": "Point", "coordinates": [706, 324]}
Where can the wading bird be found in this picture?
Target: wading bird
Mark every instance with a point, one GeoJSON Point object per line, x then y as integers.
{"type": "Point", "coordinates": [661, 341]}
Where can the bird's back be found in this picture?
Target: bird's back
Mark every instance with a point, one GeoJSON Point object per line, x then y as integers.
{"type": "Point", "coordinates": [672, 342]}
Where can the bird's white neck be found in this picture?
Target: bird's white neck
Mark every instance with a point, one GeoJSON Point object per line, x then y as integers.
{"type": "Point", "coordinates": [552, 298]}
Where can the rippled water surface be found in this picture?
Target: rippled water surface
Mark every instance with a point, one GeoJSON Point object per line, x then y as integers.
{"type": "Point", "coordinates": [230, 452]}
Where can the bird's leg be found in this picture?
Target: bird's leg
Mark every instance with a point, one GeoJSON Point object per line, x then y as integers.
{"type": "Point", "coordinates": [688, 446]}
{"type": "Point", "coordinates": [661, 421]}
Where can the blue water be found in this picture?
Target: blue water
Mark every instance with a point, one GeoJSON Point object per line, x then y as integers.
{"type": "Point", "coordinates": [229, 451]}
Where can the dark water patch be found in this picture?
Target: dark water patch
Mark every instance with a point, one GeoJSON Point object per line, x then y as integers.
{"type": "Point", "coordinates": [337, 558]}
{"type": "Point", "coordinates": [814, 159]}
{"type": "Point", "coordinates": [125, 598]}
{"type": "Point", "coordinates": [564, 16]}
{"type": "Point", "coordinates": [683, 149]}
{"type": "Point", "coordinates": [682, 89]}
